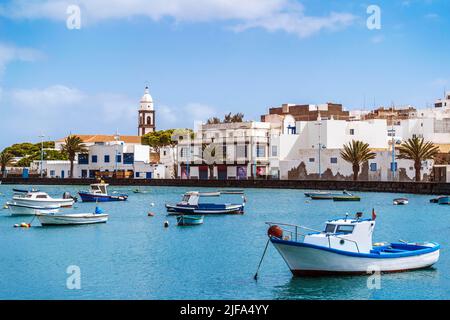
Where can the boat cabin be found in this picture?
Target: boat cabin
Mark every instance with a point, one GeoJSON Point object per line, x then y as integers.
{"type": "Point", "coordinates": [33, 195]}
{"type": "Point", "coordinates": [99, 188]}
{"type": "Point", "coordinates": [354, 235]}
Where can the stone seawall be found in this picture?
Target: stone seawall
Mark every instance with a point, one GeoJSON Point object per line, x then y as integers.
{"type": "Point", "coordinates": [369, 186]}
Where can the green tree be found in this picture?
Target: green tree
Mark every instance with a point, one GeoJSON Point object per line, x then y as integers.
{"type": "Point", "coordinates": [49, 154]}
{"type": "Point", "coordinates": [158, 139]}
{"type": "Point", "coordinates": [233, 118]}
{"type": "Point", "coordinates": [356, 153]}
{"type": "Point", "coordinates": [73, 145]}
{"type": "Point", "coordinates": [5, 160]}
{"type": "Point", "coordinates": [417, 150]}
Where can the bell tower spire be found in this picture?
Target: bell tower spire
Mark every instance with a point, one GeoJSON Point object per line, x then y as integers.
{"type": "Point", "coordinates": [146, 113]}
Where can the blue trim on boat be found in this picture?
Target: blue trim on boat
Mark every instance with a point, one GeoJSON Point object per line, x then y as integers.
{"type": "Point", "coordinates": [378, 255]}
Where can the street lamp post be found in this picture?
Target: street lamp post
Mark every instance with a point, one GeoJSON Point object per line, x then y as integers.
{"type": "Point", "coordinates": [42, 155]}
{"type": "Point", "coordinates": [319, 124]}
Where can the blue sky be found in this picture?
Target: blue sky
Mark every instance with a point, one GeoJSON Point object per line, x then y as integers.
{"type": "Point", "coordinates": [205, 58]}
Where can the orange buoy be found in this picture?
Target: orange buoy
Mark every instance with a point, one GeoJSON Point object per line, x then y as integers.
{"type": "Point", "coordinates": [275, 231]}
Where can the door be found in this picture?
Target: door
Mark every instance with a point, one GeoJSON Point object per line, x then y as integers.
{"type": "Point", "coordinates": [222, 172]}
{"type": "Point", "coordinates": [62, 174]}
{"type": "Point", "coordinates": [203, 172]}
{"type": "Point", "coordinates": [148, 175]}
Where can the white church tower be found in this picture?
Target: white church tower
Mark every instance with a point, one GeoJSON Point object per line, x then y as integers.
{"type": "Point", "coordinates": [146, 114]}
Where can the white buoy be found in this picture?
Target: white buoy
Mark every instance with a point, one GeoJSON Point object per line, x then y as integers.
{"type": "Point", "coordinates": [152, 204]}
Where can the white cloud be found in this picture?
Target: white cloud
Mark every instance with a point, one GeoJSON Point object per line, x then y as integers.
{"type": "Point", "coordinates": [10, 53]}
{"type": "Point", "coordinates": [55, 96]}
{"type": "Point", "coordinates": [271, 15]}
{"type": "Point", "coordinates": [185, 116]}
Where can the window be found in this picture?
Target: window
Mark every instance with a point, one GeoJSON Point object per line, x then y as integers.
{"type": "Point", "coordinates": [346, 229]}
{"type": "Point", "coordinates": [94, 159]}
{"type": "Point", "coordinates": [274, 151]}
{"type": "Point", "coordinates": [137, 174]}
{"type": "Point", "coordinates": [165, 153]}
{"type": "Point", "coordinates": [149, 120]}
{"type": "Point", "coordinates": [41, 196]}
{"type": "Point", "coordinates": [352, 132]}
{"type": "Point", "coordinates": [128, 158]}
{"type": "Point", "coordinates": [106, 158]}
{"type": "Point", "coordinates": [52, 173]}
{"type": "Point", "coordinates": [260, 151]}
{"type": "Point", "coordinates": [333, 160]}
{"type": "Point", "coordinates": [241, 151]}
{"type": "Point", "coordinates": [330, 228]}
{"type": "Point", "coordinates": [312, 159]}
{"type": "Point", "coordinates": [118, 158]}
{"type": "Point", "coordinates": [394, 166]}
{"type": "Point", "coordinates": [83, 158]}
{"type": "Point", "coordinates": [373, 167]}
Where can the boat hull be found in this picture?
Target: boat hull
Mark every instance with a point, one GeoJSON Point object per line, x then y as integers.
{"type": "Point", "coordinates": [89, 197]}
{"type": "Point", "coordinates": [184, 220]}
{"type": "Point", "coordinates": [44, 202]}
{"type": "Point", "coordinates": [309, 260]}
{"type": "Point", "coordinates": [23, 210]}
{"type": "Point", "coordinates": [444, 200]}
{"type": "Point", "coordinates": [229, 209]}
{"type": "Point", "coordinates": [72, 219]}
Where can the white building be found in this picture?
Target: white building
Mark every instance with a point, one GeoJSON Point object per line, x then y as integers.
{"type": "Point", "coordinates": [107, 159]}
{"type": "Point", "coordinates": [226, 151]}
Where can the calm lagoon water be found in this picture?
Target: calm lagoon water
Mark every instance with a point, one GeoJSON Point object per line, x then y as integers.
{"type": "Point", "coordinates": [134, 257]}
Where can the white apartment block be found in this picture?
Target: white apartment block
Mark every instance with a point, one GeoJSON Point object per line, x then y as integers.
{"type": "Point", "coordinates": [226, 151]}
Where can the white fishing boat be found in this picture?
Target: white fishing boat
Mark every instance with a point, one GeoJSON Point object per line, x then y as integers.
{"type": "Point", "coordinates": [345, 247]}
{"type": "Point", "coordinates": [41, 199]}
{"type": "Point", "coordinates": [17, 209]}
{"type": "Point", "coordinates": [73, 218]}
{"type": "Point", "coordinates": [400, 202]}
{"type": "Point", "coordinates": [190, 204]}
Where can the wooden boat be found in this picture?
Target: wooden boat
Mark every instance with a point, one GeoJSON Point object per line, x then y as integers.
{"type": "Point", "coordinates": [98, 193]}
{"type": "Point", "coordinates": [189, 220]}
{"type": "Point", "coordinates": [73, 218]}
{"type": "Point", "coordinates": [190, 204]}
{"type": "Point", "coordinates": [17, 209]}
{"type": "Point", "coordinates": [324, 195]}
{"type": "Point", "coordinates": [345, 247]}
{"type": "Point", "coordinates": [41, 199]}
{"type": "Point", "coordinates": [400, 202]}
{"type": "Point", "coordinates": [348, 197]}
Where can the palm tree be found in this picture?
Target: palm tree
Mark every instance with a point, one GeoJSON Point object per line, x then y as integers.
{"type": "Point", "coordinates": [356, 153]}
{"type": "Point", "coordinates": [417, 150]}
{"type": "Point", "coordinates": [73, 145]}
{"type": "Point", "coordinates": [5, 159]}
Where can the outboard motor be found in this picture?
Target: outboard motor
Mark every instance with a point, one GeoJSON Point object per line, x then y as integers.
{"type": "Point", "coordinates": [67, 195]}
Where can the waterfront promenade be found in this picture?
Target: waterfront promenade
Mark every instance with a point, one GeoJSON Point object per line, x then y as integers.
{"type": "Point", "coordinates": [431, 188]}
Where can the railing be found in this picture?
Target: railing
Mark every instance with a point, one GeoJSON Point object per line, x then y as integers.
{"type": "Point", "coordinates": [296, 233]}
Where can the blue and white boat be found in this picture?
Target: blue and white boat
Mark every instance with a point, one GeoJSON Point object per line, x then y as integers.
{"type": "Point", "coordinates": [190, 204]}
{"type": "Point", "coordinates": [98, 193]}
{"type": "Point", "coordinates": [189, 220]}
{"type": "Point", "coordinates": [345, 247]}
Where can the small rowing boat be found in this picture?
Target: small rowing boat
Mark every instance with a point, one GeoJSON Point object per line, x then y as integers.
{"type": "Point", "coordinates": [73, 218]}
{"type": "Point", "coordinates": [324, 195]}
{"type": "Point", "coordinates": [348, 197]}
{"type": "Point", "coordinates": [188, 220]}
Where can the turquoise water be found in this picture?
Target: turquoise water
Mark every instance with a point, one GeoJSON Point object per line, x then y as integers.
{"type": "Point", "coordinates": [134, 257]}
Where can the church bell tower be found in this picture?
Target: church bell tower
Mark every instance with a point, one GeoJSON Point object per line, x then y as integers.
{"type": "Point", "coordinates": [146, 120]}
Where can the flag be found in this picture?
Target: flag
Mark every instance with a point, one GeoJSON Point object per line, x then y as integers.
{"type": "Point", "coordinates": [374, 215]}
